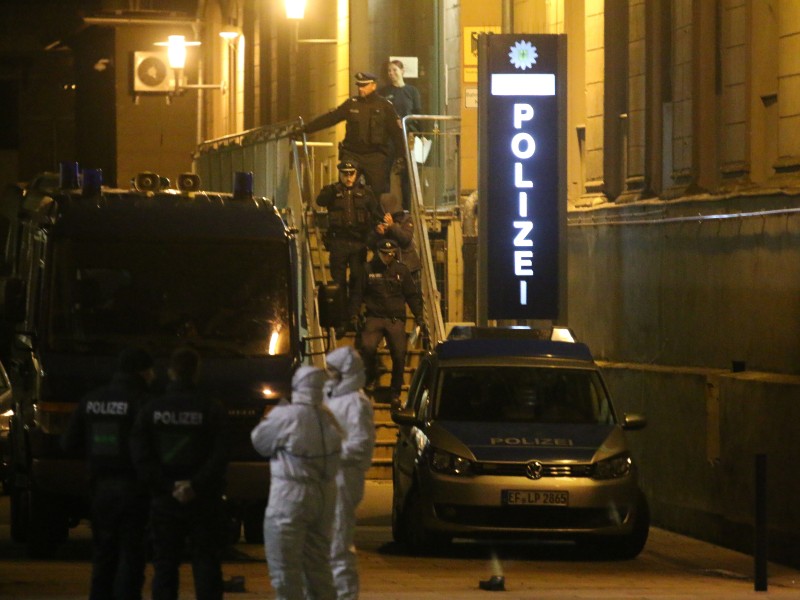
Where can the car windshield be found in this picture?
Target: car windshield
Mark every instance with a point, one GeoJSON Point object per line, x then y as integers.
{"type": "Point", "coordinates": [226, 298]}
{"type": "Point", "coordinates": [522, 394]}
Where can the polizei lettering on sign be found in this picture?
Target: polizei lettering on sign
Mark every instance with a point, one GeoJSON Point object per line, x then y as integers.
{"type": "Point", "coordinates": [522, 172]}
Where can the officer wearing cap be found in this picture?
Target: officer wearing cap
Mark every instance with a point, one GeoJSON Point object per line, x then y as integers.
{"type": "Point", "coordinates": [371, 122]}
{"type": "Point", "coordinates": [353, 213]}
{"type": "Point", "coordinates": [385, 289]}
{"type": "Point", "coordinates": [100, 428]}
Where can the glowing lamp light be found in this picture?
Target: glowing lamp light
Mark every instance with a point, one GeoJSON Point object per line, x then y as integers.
{"type": "Point", "coordinates": [176, 50]}
{"type": "Point", "coordinates": [274, 338]}
{"type": "Point", "coordinates": [176, 55]}
{"type": "Point", "coordinates": [295, 9]}
{"type": "Point", "coordinates": [269, 393]}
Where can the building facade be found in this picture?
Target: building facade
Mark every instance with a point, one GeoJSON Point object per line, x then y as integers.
{"type": "Point", "coordinates": [683, 144]}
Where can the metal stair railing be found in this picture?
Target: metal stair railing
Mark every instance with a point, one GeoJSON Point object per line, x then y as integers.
{"type": "Point", "coordinates": [431, 295]}
{"type": "Point", "coordinates": [319, 341]}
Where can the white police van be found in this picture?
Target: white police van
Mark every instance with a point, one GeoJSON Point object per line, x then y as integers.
{"type": "Point", "coordinates": [509, 433]}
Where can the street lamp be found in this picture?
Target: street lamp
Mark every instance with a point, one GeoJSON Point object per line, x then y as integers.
{"type": "Point", "coordinates": [176, 55]}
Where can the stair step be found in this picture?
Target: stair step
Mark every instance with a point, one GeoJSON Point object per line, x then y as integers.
{"type": "Point", "coordinates": [385, 428]}
{"type": "Point", "coordinates": [380, 472]}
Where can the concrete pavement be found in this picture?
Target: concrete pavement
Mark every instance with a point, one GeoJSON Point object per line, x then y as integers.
{"type": "Point", "coordinates": [671, 567]}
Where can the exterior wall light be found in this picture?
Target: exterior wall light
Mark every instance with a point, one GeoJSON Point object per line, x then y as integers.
{"type": "Point", "coordinates": [176, 54]}
{"type": "Point", "coordinates": [295, 9]}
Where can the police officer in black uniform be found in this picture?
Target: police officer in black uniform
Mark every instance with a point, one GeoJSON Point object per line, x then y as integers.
{"type": "Point", "coordinates": [100, 428]}
{"type": "Point", "coordinates": [352, 214]}
{"type": "Point", "coordinates": [371, 123]}
{"type": "Point", "coordinates": [385, 289]}
{"type": "Point", "coordinates": [179, 448]}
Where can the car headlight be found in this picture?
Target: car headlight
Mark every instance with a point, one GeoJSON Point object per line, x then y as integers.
{"type": "Point", "coordinates": [5, 420]}
{"type": "Point", "coordinates": [449, 464]}
{"type": "Point", "coordinates": [53, 417]}
{"type": "Point", "coordinates": [614, 467]}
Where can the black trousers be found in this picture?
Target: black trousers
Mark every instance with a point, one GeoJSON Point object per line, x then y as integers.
{"type": "Point", "coordinates": [119, 518]}
{"type": "Point", "coordinates": [201, 522]}
{"type": "Point", "coordinates": [375, 329]}
{"type": "Point", "coordinates": [346, 253]}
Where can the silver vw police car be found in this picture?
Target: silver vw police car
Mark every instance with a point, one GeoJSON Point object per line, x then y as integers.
{"type": "Point", "coordinates": [505, 434]}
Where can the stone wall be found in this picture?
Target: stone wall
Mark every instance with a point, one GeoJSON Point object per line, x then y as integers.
{"type": "Point", "coordinates": [668, 295]}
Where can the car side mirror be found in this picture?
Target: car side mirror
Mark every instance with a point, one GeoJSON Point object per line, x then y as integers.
{"type": "Point", "coordinates": [634, 421]}
{"type": "Point", "coordinates": [404, 416]}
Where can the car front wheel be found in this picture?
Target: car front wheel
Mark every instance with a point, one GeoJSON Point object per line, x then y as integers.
{"type": "Point", "coordinates": [418, 539]}
{"type": "Point", "coordinates": [623, 547]}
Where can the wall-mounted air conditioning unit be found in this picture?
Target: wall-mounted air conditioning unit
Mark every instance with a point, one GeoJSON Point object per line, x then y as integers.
{"type": "Point", "coordinates": [151, 73]}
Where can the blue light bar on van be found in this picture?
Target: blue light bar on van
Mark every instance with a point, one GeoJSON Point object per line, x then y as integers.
{"type": "Point", "coordinates": [92, 182]}
{"type": "Point", "coordinates": [68, 175]}
{"type": "Point", "coordinates": [243, 185]}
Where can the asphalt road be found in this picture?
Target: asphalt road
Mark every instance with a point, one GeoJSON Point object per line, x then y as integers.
{"type": "Point", "coordinates": [671, 566]}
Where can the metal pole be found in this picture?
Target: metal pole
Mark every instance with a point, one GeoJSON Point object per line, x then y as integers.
{"type": "Point", "coordinates": [760, 551]}
{"type": "Point", "coordinates": [508, 16]}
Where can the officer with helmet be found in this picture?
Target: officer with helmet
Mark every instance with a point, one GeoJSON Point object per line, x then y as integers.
{"type": "Point", "coordinates": [353, 213]}
{"type": "Point", "coordinates": [371, 122]}
{"type": "Point", "coordinates": [385, 288]}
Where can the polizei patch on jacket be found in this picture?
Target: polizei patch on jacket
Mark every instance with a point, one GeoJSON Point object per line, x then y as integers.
{"type": "Point", "coordinates": [170, 417]}
{"type": "Point", "coordinates": [98, 407]}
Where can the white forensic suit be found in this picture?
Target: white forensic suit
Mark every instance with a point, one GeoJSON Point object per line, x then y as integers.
{"type": "Point", "coordinates": [303, 442]}
{"type": "Point", "coordinates": [353, 410]}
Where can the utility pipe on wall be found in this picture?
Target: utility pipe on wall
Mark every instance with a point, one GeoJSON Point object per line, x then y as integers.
{"type": "Point", "coordinates": [508, 16]}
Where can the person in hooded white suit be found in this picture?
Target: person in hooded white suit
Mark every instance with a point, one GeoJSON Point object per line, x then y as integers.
{"type": "Point", "coordinates": [346, 399]}
{"type": "Point", "coordinates": [303, 441]}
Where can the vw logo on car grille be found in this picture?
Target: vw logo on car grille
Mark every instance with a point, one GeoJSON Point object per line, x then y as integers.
{"type": "Point", "coordinates": [533, 470]}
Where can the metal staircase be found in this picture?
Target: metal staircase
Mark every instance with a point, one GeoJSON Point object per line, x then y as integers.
{"type": "Point", "coordinates": [385, 429]}
{"type": "Point", "coordinates": [285, 170]}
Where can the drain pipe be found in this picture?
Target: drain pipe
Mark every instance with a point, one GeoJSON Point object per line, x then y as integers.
{"type": "Point", "coordinates": [200, 117]}
{"type": "Point", "coordinates": [508, 16]}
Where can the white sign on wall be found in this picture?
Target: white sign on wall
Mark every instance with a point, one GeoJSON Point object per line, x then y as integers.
{"type": "Point", "coordinates": [410, 66]}
{"type": "Point", "coordinates": [471, 97]}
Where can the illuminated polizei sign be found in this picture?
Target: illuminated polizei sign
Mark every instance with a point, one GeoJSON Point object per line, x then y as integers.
{"type": "Point", "coordinates": [522, 172]}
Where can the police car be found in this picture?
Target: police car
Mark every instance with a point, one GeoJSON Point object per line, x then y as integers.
{"type": "Point", "coordinates": [512, 433]}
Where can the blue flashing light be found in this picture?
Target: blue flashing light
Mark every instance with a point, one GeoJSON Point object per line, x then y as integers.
{"type": "Point", "coordinates": [243, 185]}
{"type": "Point", "coordinates": [68, 175]}
{"type": "Point", "coordinates": [92, 181]}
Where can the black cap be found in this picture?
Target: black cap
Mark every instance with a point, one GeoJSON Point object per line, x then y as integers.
{"type": "Point", "coordinates": [387, 246]}
{"type": "Point", "coordinates": [364, 77]}
{"type": "Point", "coordinates": [134, 360]}
{"type": "Point", "coordinates": [347, 165]}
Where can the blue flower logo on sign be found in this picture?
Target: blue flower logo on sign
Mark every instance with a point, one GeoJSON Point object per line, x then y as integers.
{"type": "Point", "coordinates": [523, 55]}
